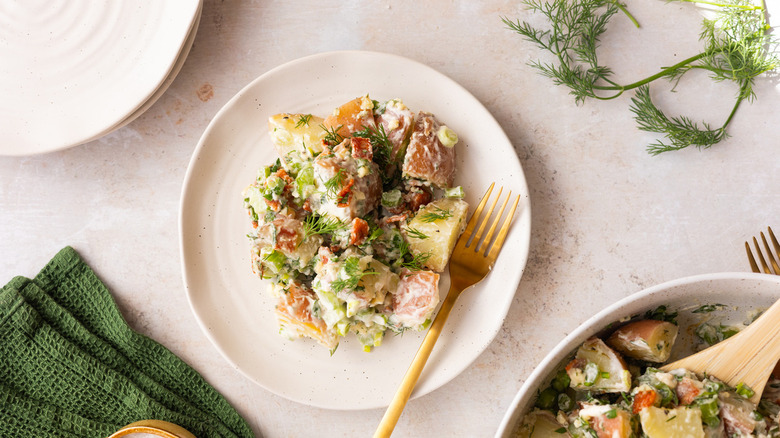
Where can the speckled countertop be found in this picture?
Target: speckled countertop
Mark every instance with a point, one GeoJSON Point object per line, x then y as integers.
{"type": "Point", "coordinates": [608, 219]}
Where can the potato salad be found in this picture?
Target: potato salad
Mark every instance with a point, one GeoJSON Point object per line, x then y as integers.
{"type": "Point", "coordinates": [355, 220]}
{"type": "Point", "coordinates": [613, 388]}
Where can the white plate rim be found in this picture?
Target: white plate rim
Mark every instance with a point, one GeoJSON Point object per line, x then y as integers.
{"type": "Point", "coordinates": [626, 306]}
{"type": "Point", "coordinates": [157, 75]}
{"type": "Point", "coordinates": [521, 231]}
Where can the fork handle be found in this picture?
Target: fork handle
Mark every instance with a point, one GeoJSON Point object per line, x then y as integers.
{"type": "Point", "coordinates": [396, 407]}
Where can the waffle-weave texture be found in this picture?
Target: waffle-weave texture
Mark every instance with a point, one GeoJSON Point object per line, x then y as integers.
{"type": "Point", "coordinates": [70, 366]}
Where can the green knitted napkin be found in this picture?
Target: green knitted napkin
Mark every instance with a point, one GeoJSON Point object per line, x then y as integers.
{"type": "Point", "coordinates": [70, 366]}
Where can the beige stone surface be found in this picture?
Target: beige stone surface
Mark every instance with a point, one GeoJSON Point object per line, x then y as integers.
{"type": "Point", "coordinates": [608, 219]}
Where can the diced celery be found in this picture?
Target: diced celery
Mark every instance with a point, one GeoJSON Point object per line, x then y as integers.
{"type": "Point", "coordinates": [455, 192]}
{"type": "Point", "coordinates": [391, 198]}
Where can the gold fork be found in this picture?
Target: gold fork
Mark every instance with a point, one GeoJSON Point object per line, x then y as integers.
{"type": "Point", "coordinates": [772, 258]}
{"type": "Point", "coordinates": [470, 262]}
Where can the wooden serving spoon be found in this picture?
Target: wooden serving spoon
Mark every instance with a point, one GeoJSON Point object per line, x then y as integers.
{"type": "Point", "coordinates": [747, 357]}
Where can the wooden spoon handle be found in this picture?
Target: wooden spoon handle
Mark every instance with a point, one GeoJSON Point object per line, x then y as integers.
{"type": "Point", "coordinates": [747, 357]}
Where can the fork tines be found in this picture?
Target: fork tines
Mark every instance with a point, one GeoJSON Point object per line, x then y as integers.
{"type": "Point", "coordinates": [484, 245]}
{"type": "Point", "coordinates": [773, 258]}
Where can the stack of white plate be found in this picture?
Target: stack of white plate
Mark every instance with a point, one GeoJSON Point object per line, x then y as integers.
{"type": "Point", "coordinates": [72, 71]}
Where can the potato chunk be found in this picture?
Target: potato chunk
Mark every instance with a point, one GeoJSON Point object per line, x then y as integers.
{"type": "Point", "coordinates": [294, 312]}
{"type": "Point", "coordinates": [597, 368]}
{"type": "Point", "coordinates": [435, 230]}
{"type": "Point", "coordinates": [427, 157]}
{"type": "Point", "coordinates": [648, 340]}
{"type": "Point", "coordinates": [355, 115]}
{"type": "Point", "coordinates": [296, 137]}
{"type": "Point", "coordinates": [671, 423]}
{"type": "Point", "coordinates": [608, 421]}
{"type": "Point", "coordinates": [397, 120]}
{"type": "Point", "coordinates": [541, 424]}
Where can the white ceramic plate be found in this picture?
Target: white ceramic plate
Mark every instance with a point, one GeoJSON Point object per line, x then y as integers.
{"type": "Point", "coordinates": [231, 304]}
{"type": "Point", "coordinates": [180, 59]}
{"type": "Point", "coordinates": [740, 292]}
{"type": "Point", "coordinates": [73, 69]}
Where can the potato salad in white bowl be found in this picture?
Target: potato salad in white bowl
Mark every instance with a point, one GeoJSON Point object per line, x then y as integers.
{"type": "Point", "coordinates": [604, 379]}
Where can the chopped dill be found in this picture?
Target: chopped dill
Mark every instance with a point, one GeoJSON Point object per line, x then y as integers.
{"type": "Point", "coordinates": [417, 234]}
{"type": "Point", "coordinates": [315, 224]}
{"type": "Point", "coordinates": [303, 120]}
{"type": "Point", "coordinates": [352, 275]}
{"type": "Point", "coordinates": [435, 215]}
{"type": "Point", "coordinates": [332, 136]}
{"type": "Point", "coordinates": [333, 185]}
{"type": "Point", "coordinates": [409, 260]}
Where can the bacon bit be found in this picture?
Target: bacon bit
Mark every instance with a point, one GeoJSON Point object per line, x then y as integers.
{"type": "Point", "coordinates": [274, 204]}
{"type": "Point", "coordinates": [395, 218]}
{"type": "Point", "coordinates": [361, 148]}
{"type": "Point", "coordinates": [359, 231]}
{"type": "Point", "coordinates": [416, 200]}
{"type": "Point", "coordinates": [255, 224]}
{"type": "Point", "coordinates": [576, 363]}
{"type": "Point", "coordinates": [281, 173]}
{"type": "Point", "coordinates": [687, 391]}
{"type": "Point", "coordinates": [644, 399]}
{"type": "Point", "coordinates": [345, 195]}
{"type": "Point", "coordinates": [618, 427]}
{"type": "Point", "coordinates": [307, 205]}
{"type": "Point", "coordinates": [286, 239]}
{"type": "Point", "coordinates": [324, 254]}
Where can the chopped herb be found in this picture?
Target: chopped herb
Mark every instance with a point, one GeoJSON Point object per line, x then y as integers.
{"type": "Point", "coordinates": [333, 185]}
{"type": "Point", "coordinates": [709, 410]}
{"type": "Point", "coordinates": [303, 120]}
{"type": "Point", "coordinates": [565, 403]}
{"type": "Point", "coordinates": [316, 224]}
{"type": "Point", "coordinates": [436, 214]}
{"type": "Point", "coordinates": [671, 418]}
{"type": "Point", "coordinates": [591, 373]}
{"type": "Point", "coordinates": [382, 147]}
{"type": "Point", "coordinates": [612, 413]}
{"type": "Point", "coordinates": [408, 260]}
{"type": "Point", "coordinates": [561, 381]}
{"type": "Point", "coordinates": [352, 275]}
{"type": "Point", "coordinates": [661, 313]}
{"type": "Point", "coordinates": [712, 334]}
{"type": "Point", "coordinates": [707, 308]}
{"type": "Point", "coordinates": [546, 399]}
{"type": "Point", "coordinates": [744, 390]}
{"type": "Point", "coordinates": [417, 234]}
{"type": "Point", "coordinates": [332, 136]}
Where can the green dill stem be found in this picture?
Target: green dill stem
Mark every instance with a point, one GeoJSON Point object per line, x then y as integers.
{"type": "Point", "coordinates": [628, 14]}
{"type": "Point", "coordinates": [724, 5]}
{"type": "Point", "coordinates": [647, 80]}
{"type": "Point", "coordinates": [733, 111]}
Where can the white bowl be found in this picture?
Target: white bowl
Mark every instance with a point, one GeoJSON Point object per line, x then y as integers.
{"type": "Point", "coordinates": [741, 293]}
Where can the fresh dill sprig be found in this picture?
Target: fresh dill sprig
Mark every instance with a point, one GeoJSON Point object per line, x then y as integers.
{"type": "Point", "coordinates": [334, 184]}
{"type": "Point", "coordinates": [332, 136]}
{"type": "Point", "coordinates": [435, 215]}
{"type": "Point", "coordinates": [409, 260]}
{"type": "Point", "coordinates": [382, 147]}
{"type": "Point", "coordinates": [315, 224]}
{"type": "Point", "coordinates": [417, 234]}
{"type": "Point", "coordinates": [681, 131]}
{"type": "Point", "coordinates": [303, 120]}
{"type": "Point", "coordinates": [352, 275]}
{"type": "Point", "coordinates": [736, 49]}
